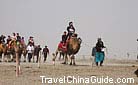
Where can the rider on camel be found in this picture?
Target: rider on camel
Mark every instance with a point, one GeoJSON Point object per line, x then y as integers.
{"type": "Point", "coordinates": [18, 37]}
{"type": "Point", "coordinates": [13, 37]}
{"type": "Point", "coordinates": [8, 41]}
{"type": "Point", "coordinates": [2, 39]}
{"type": "Point", "coordinates": [70, 29]}
{"type": "Point", "coordinates": [64, 37]}
{"type": "Point", "coordinates": [22, 41]}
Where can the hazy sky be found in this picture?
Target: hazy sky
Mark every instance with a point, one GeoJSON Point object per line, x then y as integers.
{"type": "Point", "coordinates": [116, 21]}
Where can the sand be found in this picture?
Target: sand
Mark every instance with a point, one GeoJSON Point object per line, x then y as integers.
{"type": "Point", "coordinates": [30, 73]}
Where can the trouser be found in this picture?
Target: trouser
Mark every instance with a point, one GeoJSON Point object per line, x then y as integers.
{"type": "Point", "coordinates": [37, 56]}
{"type": "Point", "coordinates": [29, 57]}
{"type": "Point", "coordinates": [45, 56]}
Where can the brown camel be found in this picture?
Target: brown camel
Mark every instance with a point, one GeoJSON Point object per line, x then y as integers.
{"type": "Point", "coordinates": [2, 50]}
{"type": "Point", "coordinates": [73, 46]}
{"type": "Point", "coordinates": [17, 51]}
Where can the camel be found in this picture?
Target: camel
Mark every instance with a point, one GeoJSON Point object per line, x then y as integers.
{"type": "Point", "coordinates": [17, 52]}
{"type": "Point", "coordinates": [11, 51]}
{"type": "Point", "coordinates": [73, 46]}
{"type": "Point", "coordinates": [2, 50]}
{"type": "Point", "coordinates": [23, 51]}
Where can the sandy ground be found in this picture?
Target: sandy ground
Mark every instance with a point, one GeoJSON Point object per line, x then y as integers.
{"type": "Point", "coordinates": [31, 73]}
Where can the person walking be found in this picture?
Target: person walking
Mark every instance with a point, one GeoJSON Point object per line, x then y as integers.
{"type": "Point", "coordinates": [37, 52]}
{"type": "Point", "coordinates": [99, 56]}
{"type": "Point", "coordinates": [30, 50]}
{"type": "Point", "coordinates": [45, 52]}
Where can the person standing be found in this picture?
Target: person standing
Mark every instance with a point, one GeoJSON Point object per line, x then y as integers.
{"type": "Point", "coordinates": [45, 52]}
{"type": "Point", "coordinates": [30, 50]}
{"type": "Point", "coordinates": [99, 56]}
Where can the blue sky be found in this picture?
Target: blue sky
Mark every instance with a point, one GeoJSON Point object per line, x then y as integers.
{"type": "Point", "coordinates": [113, 20]}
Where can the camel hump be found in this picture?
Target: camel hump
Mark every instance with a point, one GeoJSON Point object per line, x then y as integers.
{"type": "Point", "coordinates": [75, 40]}
{"type": "Point", "coordinates": [74, 45]}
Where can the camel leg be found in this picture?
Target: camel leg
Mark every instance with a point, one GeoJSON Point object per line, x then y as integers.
{"type": "Point", "coordinates": [3, 56]}
{"type": "Point", "coordinates": [0, 57]}
{"type": "Point", "coordinates": [71, 60]}
{"type": "Point", "coordinates": [24, 57]}
{"type": "Point", "coordinates": [24, 53]}
{"type": "Point", "coordinates": [8, 58]}
{"type": "Point", "coordinates": [63, 56]}
{"type": "Point", "coordinates": [54, 58]}
{"type": "Point", "coordinates": [59, 56]}
{"type": "Point", "coordinates": [65, 60]}
{"type": "Point", "coordinates": [13, 57]}
{"type": "Point", "coordinates": [20, 54]}
{"type": "Point", "coordinates": [74, 60]}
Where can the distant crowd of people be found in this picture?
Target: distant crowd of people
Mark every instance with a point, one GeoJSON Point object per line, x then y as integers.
{"type": "Point", "coordinates": [32, 49]}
